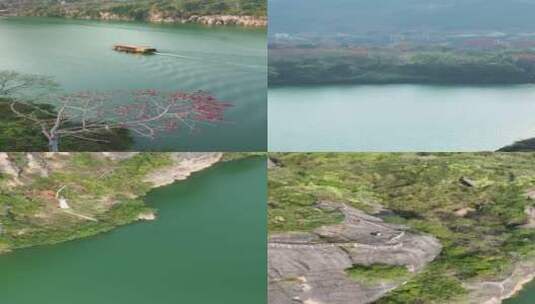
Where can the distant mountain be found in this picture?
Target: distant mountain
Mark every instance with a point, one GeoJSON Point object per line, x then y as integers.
{"type": "Point", "coordinates": [527, 145]}
{"type": "Point", "coordinates": [330, 16]}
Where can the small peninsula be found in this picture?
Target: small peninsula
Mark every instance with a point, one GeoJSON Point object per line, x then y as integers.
{"type": "Point", "coordinates": [48, 198]}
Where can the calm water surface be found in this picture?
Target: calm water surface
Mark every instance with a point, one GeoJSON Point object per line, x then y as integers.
{"type": "Point", "coordinates": [208, 245]}
{"type": "Point", "coordinates": [399, 117]}
{"type": "Point", "coordinates": [228, 62]}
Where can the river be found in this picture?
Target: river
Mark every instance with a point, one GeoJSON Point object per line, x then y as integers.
{"type": "Point", "coordinates": [228, 62]}
{"type": "Point", "coordinates": [208, 245]}
{"type": "Point", "coordinates": [399, 117]}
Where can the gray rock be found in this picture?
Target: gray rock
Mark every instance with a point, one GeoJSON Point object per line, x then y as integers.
{"type": "Point", "coordinates": [310, 268]}
{"type": "Point", "coordinates": [530, 194]}
{"type": "Point", "coordinates": [467, 182]}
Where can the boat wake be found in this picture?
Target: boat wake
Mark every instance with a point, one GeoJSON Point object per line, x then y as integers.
{"type": "Point", "coordinates": [176, 55]}
{"type": "Point", "coordinates": [251, 66]}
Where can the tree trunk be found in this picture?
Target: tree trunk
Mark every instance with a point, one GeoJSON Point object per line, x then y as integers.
{"type": "Point", "coordinates": [53, 144]}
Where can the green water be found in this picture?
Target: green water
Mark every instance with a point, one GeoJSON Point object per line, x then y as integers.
{"type": "Point", "coordinates": [526, 296]}
{"type": "Point", "coordinates": [228, 62]}
{"type": "Point", "coordinates": [399, 118]}
{"type": "Point", "coordinates": [207, 246]}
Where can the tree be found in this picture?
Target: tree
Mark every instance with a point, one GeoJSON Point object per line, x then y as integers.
{"type": "Point", "coordinates": [83, 115]}
{"type": "Point", "coordinates": [13, 84]}
{"type": "Point", "coordinates": [16, 134]}
{"type": "Point", "coordinates": [256, 7]}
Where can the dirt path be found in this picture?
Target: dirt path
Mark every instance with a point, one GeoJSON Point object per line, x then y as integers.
{"type": "Point", "coordinates": [85, 217]}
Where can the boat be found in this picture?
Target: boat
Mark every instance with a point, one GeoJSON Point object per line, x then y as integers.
{"type": "Point", "coordinates": [135, 49]}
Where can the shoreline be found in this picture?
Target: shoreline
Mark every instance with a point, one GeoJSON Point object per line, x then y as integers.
{"type": "Point", "coordinates": [519, 287]}
{"type": "Point", "coordinates": [497, 292]}
{"type": "Point", "coordinates": [354, 84]}
{"type": "Point", "coordinates": [182, 169]}
{"type": "Point", "coordinates": [185, 163]}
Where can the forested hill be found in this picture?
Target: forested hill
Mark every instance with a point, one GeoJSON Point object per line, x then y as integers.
{"type": "Point", "coordinates": [328, 16]}
{"type": "Point", "coordinates": [149, 10]}
{"type": "Point", "coordinates": [401, 41]}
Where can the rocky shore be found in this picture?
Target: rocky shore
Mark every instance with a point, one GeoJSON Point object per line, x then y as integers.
{"type": "Point", "coordinates": [168, 18]}
{"type": "Point", "coordinates": [247, 21]}
{"type": "Point", "coordinates": [496, 292]}
{"type": "Point", "coordinates": [184, 164]}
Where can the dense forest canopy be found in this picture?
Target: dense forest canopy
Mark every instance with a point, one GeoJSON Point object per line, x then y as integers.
{"type": "Point", "coordinates": [328, 16]}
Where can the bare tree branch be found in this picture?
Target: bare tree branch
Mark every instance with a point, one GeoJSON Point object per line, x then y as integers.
{"type": "Point", "coordinates": [83, 114]}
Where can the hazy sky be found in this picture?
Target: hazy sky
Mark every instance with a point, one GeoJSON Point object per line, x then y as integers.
{"type": "Point", "coordinates": [328, 16]}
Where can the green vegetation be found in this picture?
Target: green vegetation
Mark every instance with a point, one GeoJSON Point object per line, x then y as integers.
{"type": "Point", "coordinates": [95, 186]}
{"type": "Point", "coordinates": [241, 155]}
{"type": "Point", "coordinates": [125, 213]}
{"type": "Point", "coordinates": [430, 286]}
{"type": "Point", "coordinates": [16, 134]}
{"type": "Point", "coordinates": [479, 226]}
{"type": "Point", "coordinates": [378, 273]}
{"type": "Point", "coordinates": [317, 65]}
{"type": "Point", "coordinates": [141, 9]}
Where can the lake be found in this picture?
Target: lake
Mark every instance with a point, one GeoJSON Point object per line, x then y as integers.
{"type": "Point", "coordinates": [228, 62]}
{"type": "Point", "coordinates": [399, 117]}
{"type": "Point", "coordinates": [208, 245]}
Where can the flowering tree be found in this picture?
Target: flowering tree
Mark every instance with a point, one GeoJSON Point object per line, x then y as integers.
{"type": "Point", "coordinates": [84, 115]}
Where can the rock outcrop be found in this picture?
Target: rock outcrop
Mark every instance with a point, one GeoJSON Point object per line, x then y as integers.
{"type": "Point", "coordinates": [184, 165]}
{"type": "Point", "coordinates": [26, 166]}
{"type": "Point", "coordinates": [530, 194]}
{"type": "Point", "coordinates": [147, 216]}
{"type": "Point", "coordinates": [249, 21]}
{"type": "Point", "coordinates": [119, 155]}
{"type": "Point", "coordinates": [310, 268]}
{"type": "Point", "coordinates": [9, 169]}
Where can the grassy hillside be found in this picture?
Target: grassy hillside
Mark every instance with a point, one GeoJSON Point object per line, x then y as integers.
{"type": "Point", "coordinates": [96, 187]}
{"type": "Point", "coordinates": [102, 191]}
{"type": "Point", "coordinates": [474, 203]}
